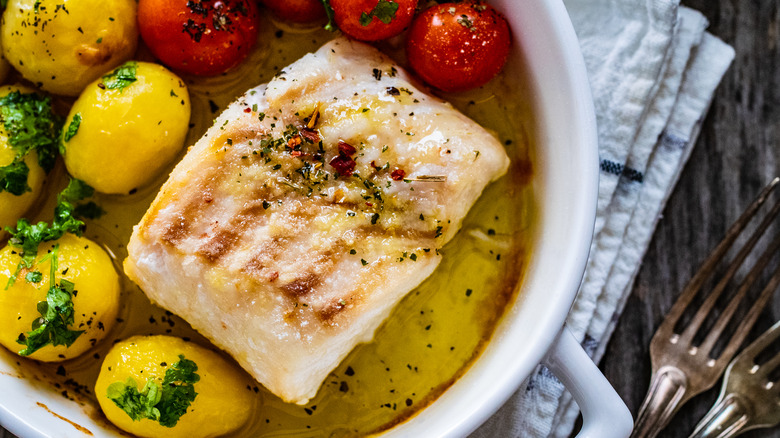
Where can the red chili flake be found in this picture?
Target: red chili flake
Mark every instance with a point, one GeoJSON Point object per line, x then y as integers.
{"type": "Point", "coordinates": [310, 135]}
{"type": "Point", "coordinates": [247, 110]}
{"type": "Point", "coordinates": [295, 141]}
{"type": "Point", "coordinates": [398, 174]}
{"type": "Point", "coordinates": [344, 165]}
{"type": "Point", "coordinates": [369, 204]}
{"type": "Point", "coordinates": [346, 149]}
{"type": "Point", "coordinates": [297, 153]}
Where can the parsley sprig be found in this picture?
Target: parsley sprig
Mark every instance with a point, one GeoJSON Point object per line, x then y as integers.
{"type": "Point", "coordinates": [31, 125]}
{"type": "Point", "coordinates": [56, 314]}
{"type": "Point", "coordinates": [164, 403]}
{"type": "Point", "coordinates": [28, 237]}
{"type": "Point", "coordinates": [121, 77]}
{"type": "Point", "coordinates": [384, 10]}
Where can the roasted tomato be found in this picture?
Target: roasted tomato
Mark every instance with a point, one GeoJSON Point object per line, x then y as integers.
{"type": "Point", "coordinates": [199, 37]}
{"type": "Point", "coordinates": [373, 20]}
{"type": "Point", "coordinates": [458, 46]}
{"type": "Point", "coordinates": [297, 11]}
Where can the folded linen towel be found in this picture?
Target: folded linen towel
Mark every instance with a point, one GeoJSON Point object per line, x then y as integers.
{"type": "Point", "coordinates": [653, 70]}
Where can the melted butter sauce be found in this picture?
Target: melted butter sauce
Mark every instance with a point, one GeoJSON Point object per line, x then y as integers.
{"type": "Point", "coordinates": [432, 336]}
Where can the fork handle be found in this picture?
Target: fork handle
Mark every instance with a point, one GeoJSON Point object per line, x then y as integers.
{"type": "Point", "coordinates": [667, 388]}
{"type": "Point", "coordinates": [727, 418]}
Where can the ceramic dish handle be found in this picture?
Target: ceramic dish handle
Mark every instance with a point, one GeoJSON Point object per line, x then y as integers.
{"type": "Point", "coordinates": [604, 413]}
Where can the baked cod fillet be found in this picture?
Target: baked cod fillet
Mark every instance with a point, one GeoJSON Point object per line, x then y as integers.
{"type": "Point", "coordinates": [312, 206]}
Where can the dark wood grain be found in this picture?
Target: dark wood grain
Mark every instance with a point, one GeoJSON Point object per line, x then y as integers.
{"type": "Point", "coordinates": [737, 153]}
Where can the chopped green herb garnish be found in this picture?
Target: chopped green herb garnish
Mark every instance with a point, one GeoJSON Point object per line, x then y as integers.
{"type": "Point", "coordinates": [136, 404]}
{"type": "Point", "coordinates": [30, 125]}
{"type": "Point", "coordinates": [13, 177]}
{"type": "Point", "coordinates": [73, 127]}
{"type": "Point", "coordinates": [89, 210]}
{"type": "Point", "coordinates": [164, 403]}
{"type": "Point", "coordinates": [56, 314]}
{"type": "Point", "coordinates": [121, 77]}
{"type": "Point", "coordinates": [384, 10]}
{"type": "Point", "coordinates": [27, 236]}
{"type": "Point", "coordinates": [34, 277]}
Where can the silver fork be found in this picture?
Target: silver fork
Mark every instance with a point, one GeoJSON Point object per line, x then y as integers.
{"type": "Point", "coordinates": [681, 369]}
{"type": "Point", "coordinates": [749, 399]}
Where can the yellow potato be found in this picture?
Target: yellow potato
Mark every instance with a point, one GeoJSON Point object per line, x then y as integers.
{"type": "Point", "coordinates": [63, 45]}
{"type": "Point", "coordinates": [5, 68]}
{"type": "Point", "coordinates": [224, 400]}
{"type": "Point", "coordinates": [95, 302]}
{"type": "Point", "coordinates": [12, 207]}
{"type": "Point", "coordinates": [126, 136]}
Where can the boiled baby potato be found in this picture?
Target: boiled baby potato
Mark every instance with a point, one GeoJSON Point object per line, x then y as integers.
{"type": "Point", "coordinates": [5, 68]}
{"type": "Point", "coordinates": [126, 127]}
{"type": "Point", "coordinates": [13, 206]}
{"type": "Point", "coordinates": [141, 375]}
{"type": "Point", "coordinates": [95, 297]}
{"type": "Point", "coordinates": [63, 45]}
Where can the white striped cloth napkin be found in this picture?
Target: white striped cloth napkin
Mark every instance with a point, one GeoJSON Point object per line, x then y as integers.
{"type": "Point", "coordinates": [653, 71]}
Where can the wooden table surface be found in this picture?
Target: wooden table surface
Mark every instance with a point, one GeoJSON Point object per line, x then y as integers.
{"type": "Point", "coordinates": [737, 153]}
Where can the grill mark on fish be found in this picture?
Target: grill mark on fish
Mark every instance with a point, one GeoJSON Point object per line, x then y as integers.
{"type": "Point", "coordinates": [257, 266]}
{"type": "Point", "coordinates": [302, 286]}
{"type": "Point", "coordinates": [219, 245]}
{"type": "Point", "coordinates": [174, 230]}
{"type": "Point", "coordinates": [226, 237]}
{"type": "Point", "coordinates": [257, 270]}
{"type": "Point", "coordinates": [177, 228]}
{"type": "Point", "coordinates": [328, 313]}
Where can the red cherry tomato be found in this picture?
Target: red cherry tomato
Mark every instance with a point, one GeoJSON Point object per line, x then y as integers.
{"type": "Point", "coordinates": [373, 20]}
{"type": "Point", "coordinates": [297, 11]}
{"type": "Point", "coordinates": [205, 37]}
{"type": "Point", "coordinates": [458, 46]}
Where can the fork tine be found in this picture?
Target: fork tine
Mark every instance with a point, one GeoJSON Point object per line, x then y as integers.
{"type": "Point", "coordinates": [760, 344]}
{"type": "Point", "coordinates": [744, 327]}
{"type": "Point", "coordinates": [725, 317]}
{"type": "Point", "coordinates": [693, 286]}
{"type": "Point", "coordinates": [769, 366]}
